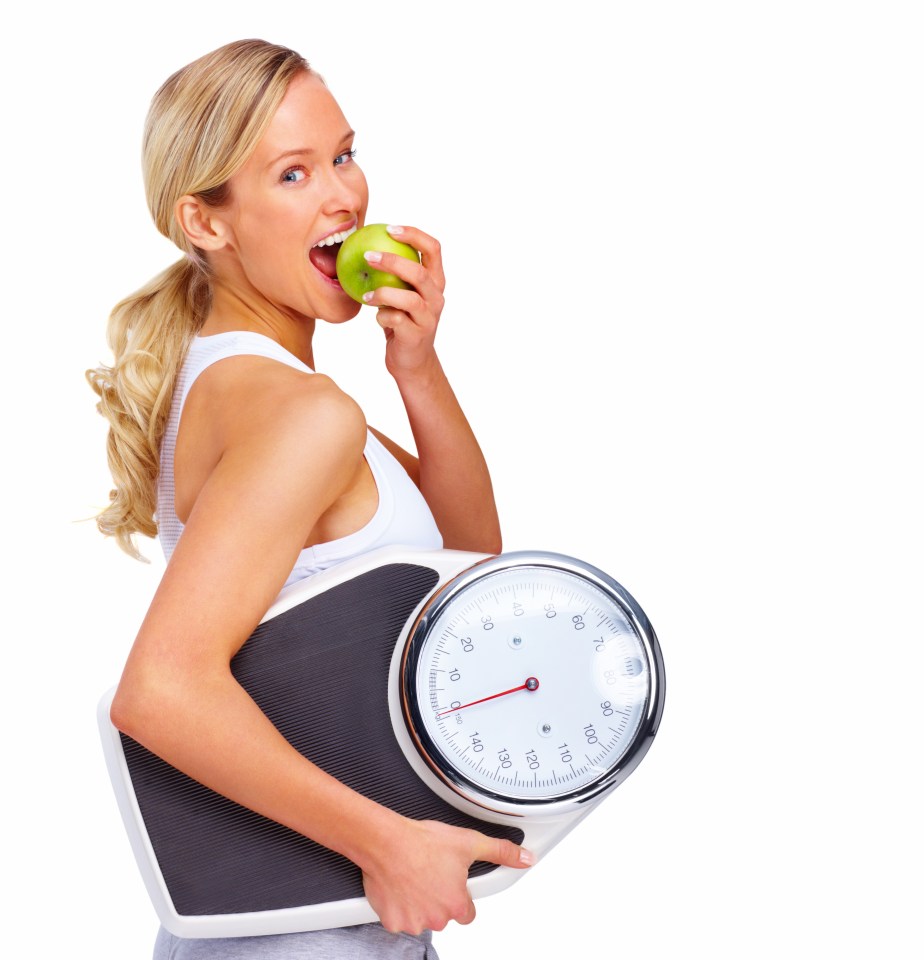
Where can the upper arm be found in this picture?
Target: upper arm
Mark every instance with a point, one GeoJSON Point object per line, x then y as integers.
{"type": "Point", "coordinates": [289, 447]}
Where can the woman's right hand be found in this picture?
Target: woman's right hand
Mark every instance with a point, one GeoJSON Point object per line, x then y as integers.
{"type": "Point", "coordinates": [419, 883]}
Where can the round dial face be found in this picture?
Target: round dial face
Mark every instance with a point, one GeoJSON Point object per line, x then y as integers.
{"type": "Point", "coordinates": [529, 683]}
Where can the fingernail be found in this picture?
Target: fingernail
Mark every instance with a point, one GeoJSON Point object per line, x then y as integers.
{"type": "Point", "coordinates": [527, 857]}
{"type": "Point", "coordinates": [373, 256]}
{"type": "Point", "coordinates": [368, 295]}
{"type": "Point", "coordinates": [395, 229]}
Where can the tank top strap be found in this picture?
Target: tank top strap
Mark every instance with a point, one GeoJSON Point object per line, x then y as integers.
{"type": "Point", "coordinates": [204, 351]}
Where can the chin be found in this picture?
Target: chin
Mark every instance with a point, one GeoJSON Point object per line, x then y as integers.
{"type": "Point", "coordinates": [342, 312]}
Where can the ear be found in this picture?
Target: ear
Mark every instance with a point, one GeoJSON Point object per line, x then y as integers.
{"type": "Point", "coordinates": [201, 223]}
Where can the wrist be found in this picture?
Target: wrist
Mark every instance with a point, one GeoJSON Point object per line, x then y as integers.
{"type": "Point", "coordinates": [422, 378]}
{"type": "Point", "coordinates": [379, 841]}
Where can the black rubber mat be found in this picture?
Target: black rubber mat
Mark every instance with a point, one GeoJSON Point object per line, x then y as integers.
{"type": "Point", "coordinates": [320, 672]}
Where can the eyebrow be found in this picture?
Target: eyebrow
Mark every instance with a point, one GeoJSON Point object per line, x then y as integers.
{"type": "Point", "coordinates": [307, 151]}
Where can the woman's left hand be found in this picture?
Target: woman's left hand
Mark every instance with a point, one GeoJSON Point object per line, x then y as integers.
{"type": "Point", "coordinates": [410, 317]}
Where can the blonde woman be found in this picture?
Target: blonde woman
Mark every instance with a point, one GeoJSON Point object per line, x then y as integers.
{"type": "Point", "coordinates": [222, 431]}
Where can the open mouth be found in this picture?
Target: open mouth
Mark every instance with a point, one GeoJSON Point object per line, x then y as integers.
{"type": "Point", "coordinates": [324, 253]}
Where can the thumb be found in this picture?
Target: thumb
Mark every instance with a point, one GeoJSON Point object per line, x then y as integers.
{"type": "Point", "coordinates": [504, 852]}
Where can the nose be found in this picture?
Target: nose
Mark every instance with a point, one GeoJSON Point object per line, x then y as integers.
{"type": "Point", "coordinates": [345, 190]}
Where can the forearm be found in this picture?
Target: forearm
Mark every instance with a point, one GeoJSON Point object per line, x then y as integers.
{"type": "Point", "coordinates": [212, 730]}
{"type": "Point", "coordinates": [454, 477]}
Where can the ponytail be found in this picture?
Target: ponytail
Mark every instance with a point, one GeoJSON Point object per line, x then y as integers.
{"type": "Point", "coordinates": [149, 333]}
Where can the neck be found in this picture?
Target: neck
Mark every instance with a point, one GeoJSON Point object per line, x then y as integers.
{"type": "Point", "coordinates": [234, 308]}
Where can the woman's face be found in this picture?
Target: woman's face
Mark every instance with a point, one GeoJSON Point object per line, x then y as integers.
{"type": "Point", "coordinates": [301, 186]}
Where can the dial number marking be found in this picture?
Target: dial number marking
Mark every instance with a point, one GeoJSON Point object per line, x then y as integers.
{"type": "Point", "coordinates": [576, 633]}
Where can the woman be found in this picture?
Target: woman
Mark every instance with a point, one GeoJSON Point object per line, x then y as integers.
{"type": "Point", "coordinates": [220, 425]}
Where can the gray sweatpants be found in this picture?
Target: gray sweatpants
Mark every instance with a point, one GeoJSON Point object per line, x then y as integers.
{"type": "Point", "coordinates": [368, 941]}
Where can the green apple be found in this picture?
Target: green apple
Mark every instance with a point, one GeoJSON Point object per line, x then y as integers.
{"type": "Point", "coordinates": [356, 275]}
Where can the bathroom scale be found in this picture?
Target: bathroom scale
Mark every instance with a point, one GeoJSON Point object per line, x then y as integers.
{"type": "Point", "coordinates": [508, 693]}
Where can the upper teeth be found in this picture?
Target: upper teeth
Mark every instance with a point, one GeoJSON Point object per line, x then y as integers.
{"type": "Point", "coordinates": [335, 238]}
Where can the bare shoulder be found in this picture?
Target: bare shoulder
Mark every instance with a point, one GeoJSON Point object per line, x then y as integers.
{"type": "Point", "coordinates": [250, 399]}
{"type": "Point", "coordinates": [265, 418]}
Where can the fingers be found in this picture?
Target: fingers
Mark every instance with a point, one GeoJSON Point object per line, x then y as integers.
{"type": "Point", "coordinates": [408, 301]}
{"type": "Point", "coordinates": [428, 887]}
{"type": "Point", "coordinates": [417, 275]}
{"type": "Point", "coordinates": [415, 921]}
{"type": "Point", "coordinates": [396, 322]}
{"type": "Point", "coordinates": [409, 316]}
{"type": "Point", "coordinates": [503, 852]}
{"type": "Point", "coordinates": [431, 255]}
{"type": "Point", "coordinates": [396, 304]}
{"type": "Point", "coordinates": [402, 312]}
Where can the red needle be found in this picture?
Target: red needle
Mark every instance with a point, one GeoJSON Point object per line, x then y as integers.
{"type": "Point", "coordinates": [530, 684]}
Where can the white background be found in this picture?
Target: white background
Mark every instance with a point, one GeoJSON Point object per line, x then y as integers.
{"type": "Point", "coordinates": [684, 248]}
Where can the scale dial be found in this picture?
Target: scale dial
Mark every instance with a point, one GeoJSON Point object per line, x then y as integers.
{"type": "Point", "coordinates": [531, 683]}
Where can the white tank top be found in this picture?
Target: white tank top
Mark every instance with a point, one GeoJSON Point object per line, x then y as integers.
{"type": "Point", "coordinates": [402, 518]}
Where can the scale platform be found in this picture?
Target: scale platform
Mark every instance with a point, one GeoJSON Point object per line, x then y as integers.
{"type": "Point", "coordinates": [333, 665]}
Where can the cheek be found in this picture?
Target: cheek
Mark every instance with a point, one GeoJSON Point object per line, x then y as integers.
{"type": "Point", "coordinates": [270, 220]}
{"type": "Point", "coordinates": [271, 235]}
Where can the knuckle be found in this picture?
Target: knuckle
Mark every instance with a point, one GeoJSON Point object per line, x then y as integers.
{"type": "Point", "coordinates": [467, 915]}
{"type": "Point", "coordinates": [416, 273]}
{"type": "Point", "coordinates": [506, 850]}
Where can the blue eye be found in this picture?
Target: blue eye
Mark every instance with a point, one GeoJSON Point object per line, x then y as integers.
{"type": "Point", "coordinates": [293, 175]}
{"type": "Point", "coordinates": [344, 158]}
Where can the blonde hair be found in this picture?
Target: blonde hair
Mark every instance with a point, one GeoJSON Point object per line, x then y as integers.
{"type": "Point", "coordinates": [202, 126]}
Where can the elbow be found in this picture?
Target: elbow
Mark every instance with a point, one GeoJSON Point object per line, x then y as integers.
{"type": "Point", "coordinates": [490, 539]}
{"type": "Point", "coordinates": [142, 701]}
{"type": "Point", "coordinates": [494, 544]}
{"type": "Point", "coordinates": [126, 712]}
{"type": "Point", "coordinates": [484, 543]}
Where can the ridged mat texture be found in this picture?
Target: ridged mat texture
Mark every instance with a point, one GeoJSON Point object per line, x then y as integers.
{"type": "Point", "coordinates": [320, 672]}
